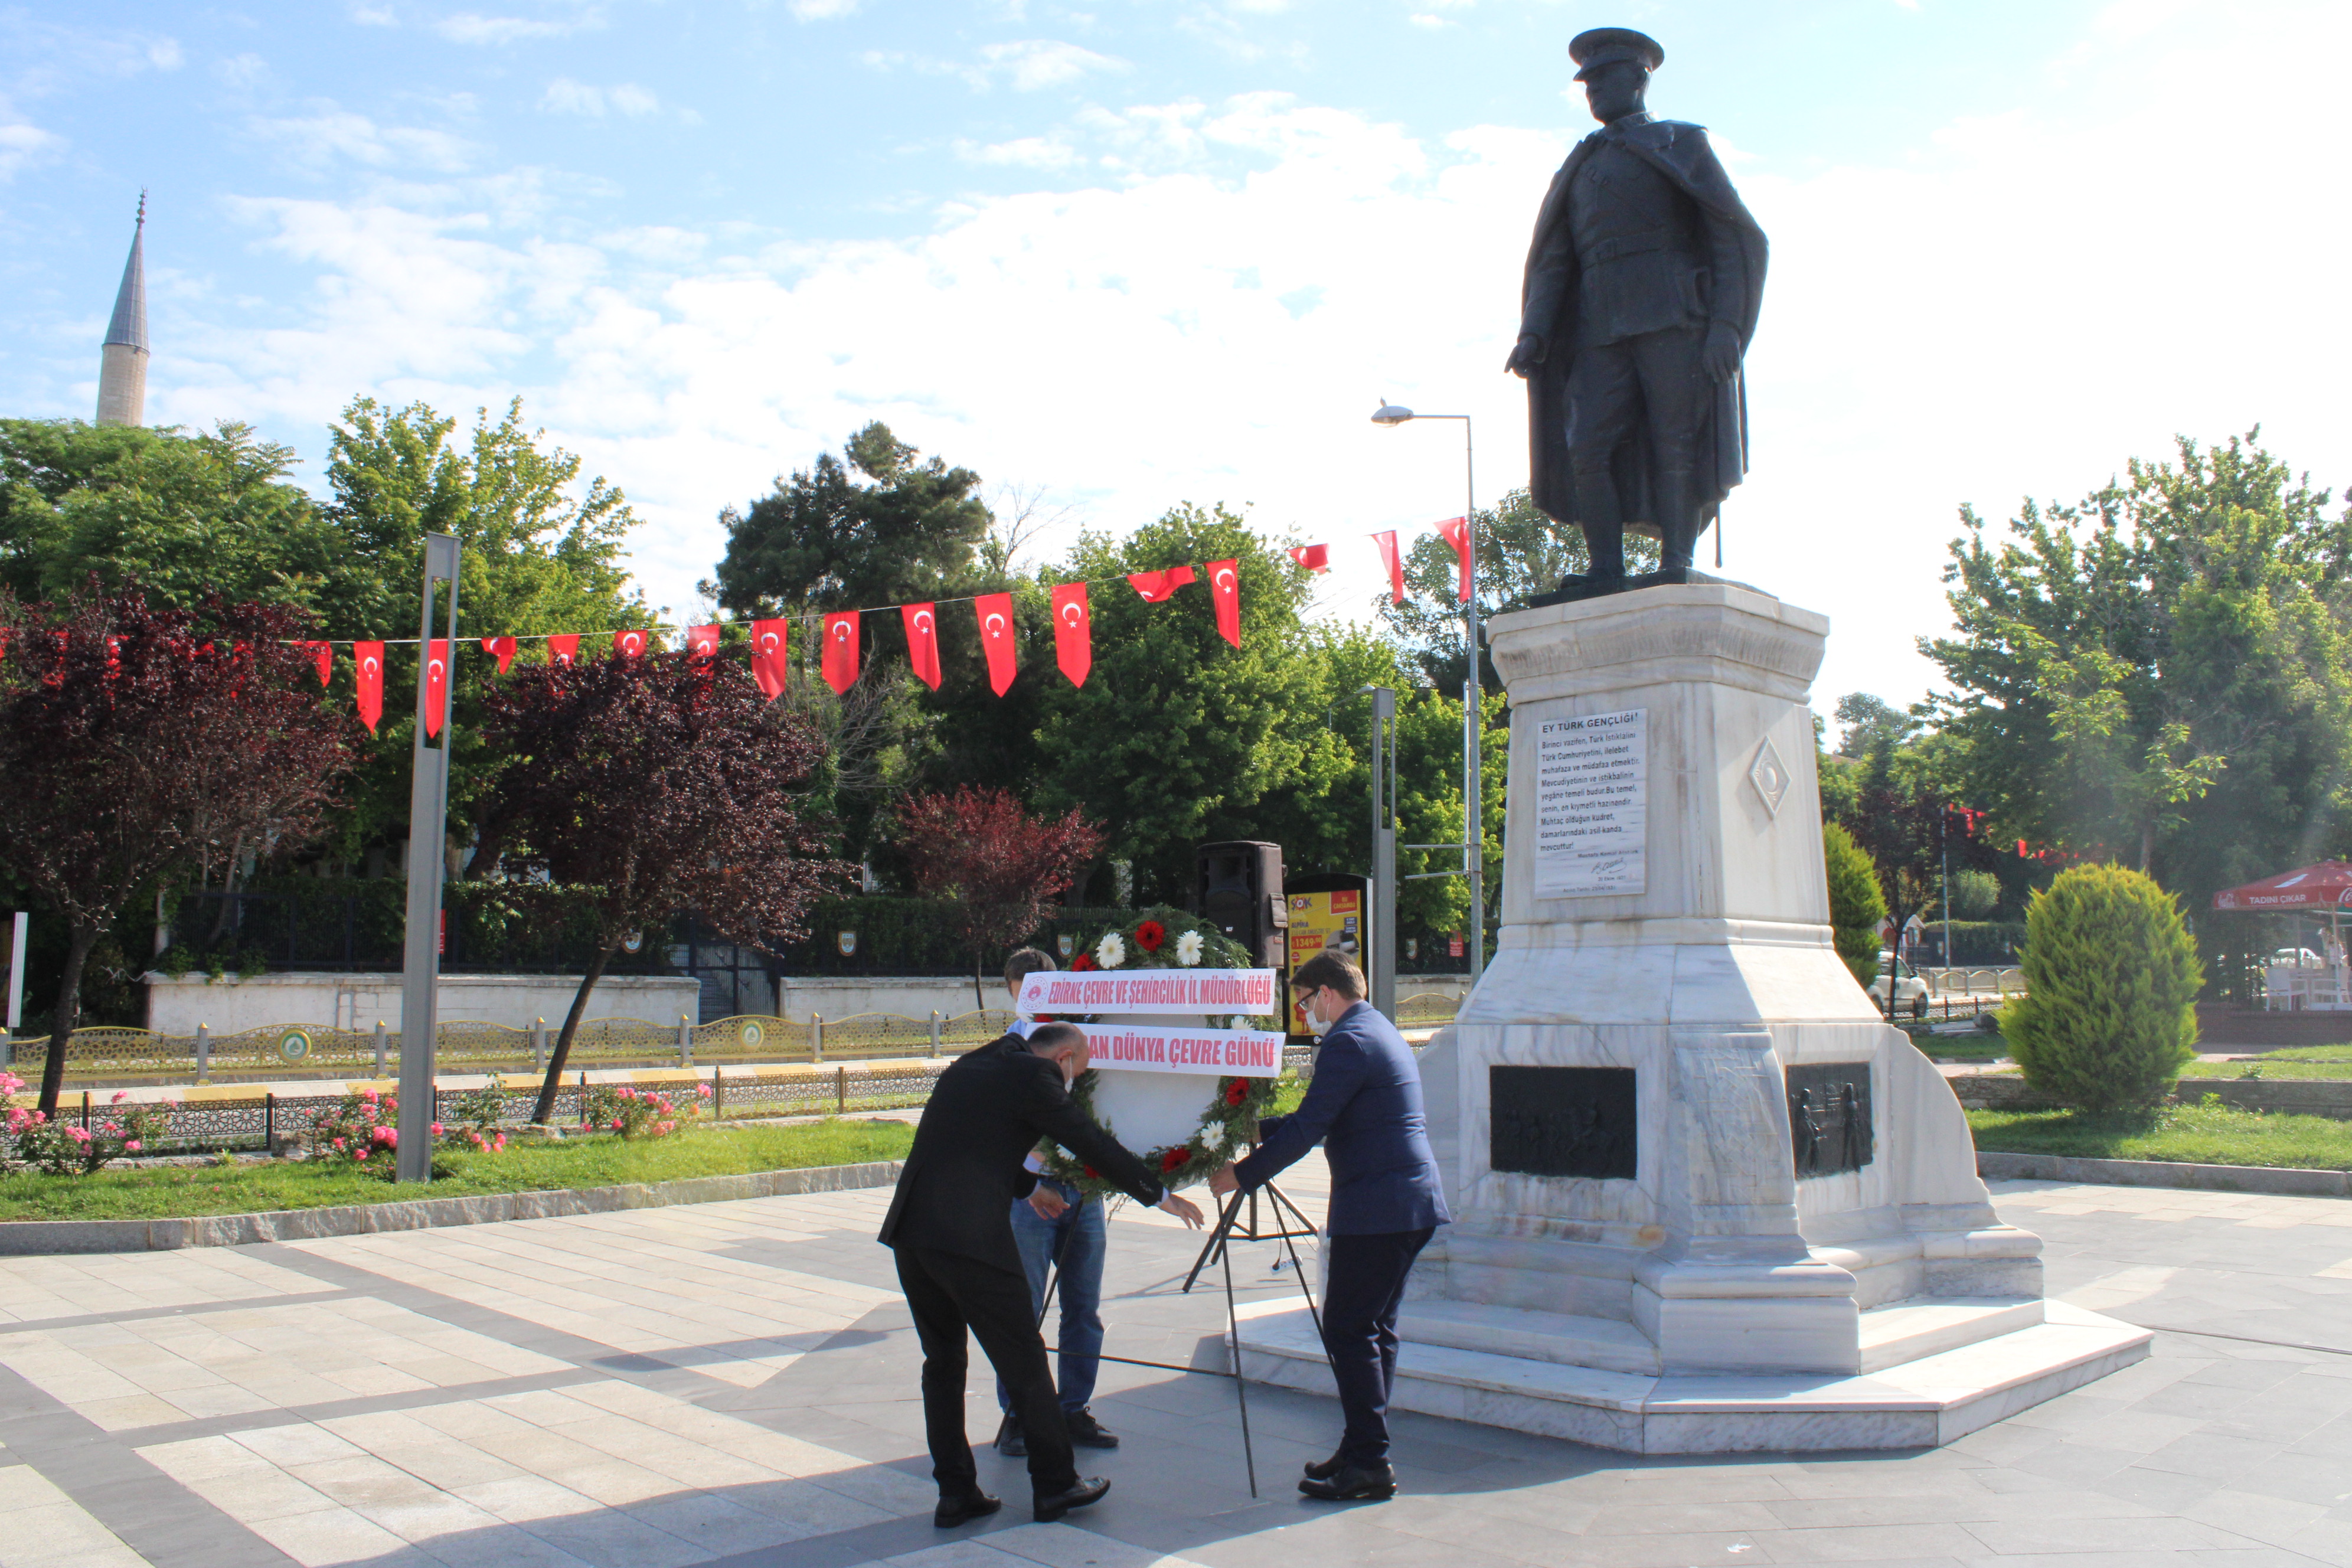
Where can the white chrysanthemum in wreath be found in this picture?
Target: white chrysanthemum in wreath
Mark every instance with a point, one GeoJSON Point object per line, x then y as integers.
{"type": "Point", "coordinates": [1213, 1136]}
{"type": "Point", "coordinates": [1188, 949]}
{"type": "Point", "coordinates": [1111, 952]}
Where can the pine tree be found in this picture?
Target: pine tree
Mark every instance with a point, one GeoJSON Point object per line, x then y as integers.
{"type": "Point", "coordinates": [1857, 904]}
{"type": "Point", "coordinates": [2109, 1015]}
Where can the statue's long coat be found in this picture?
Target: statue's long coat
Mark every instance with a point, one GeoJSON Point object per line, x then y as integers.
{"type": "Point", "coordinates": [1679, 151]}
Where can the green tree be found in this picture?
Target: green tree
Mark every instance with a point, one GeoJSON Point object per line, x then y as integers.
{"type": "Point", "coordinates": [1521, 553]}
{"type": "Point", "coordinates": [1857, 904]}
{"type": "Point", "coordinates": [1867, 720]}
{"type": "Point", "coordinates": [538, 553]}
{"type": "Point", "coordinates": [2159, 674]}
{"type": "Point", "coordinates": [2109, 1017]}
{"type": "Point", "coordinates": [183, 515]}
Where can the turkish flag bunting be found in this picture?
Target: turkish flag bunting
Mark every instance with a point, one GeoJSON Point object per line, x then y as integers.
{"type": "Point", "coordinates": [1074, 632]}
{"type": "Point", "coordinates": [436, 685]}
{"type": "Point", "coordinates": [369, 658]}
{"type": "Point", "coordinates": [1386, 542]}
{"type": "Point", "coordinates": [1456, 531]}
{"type": "Point", "coordinates": [629, 645]}
{"type": "Point", "coordinates": [563, 648]}
{"type": "Point", "coordinates": [995, 612]}
{"type": "Point", "coordinates": [770, 640]}
{"type": "Point", "coordinates": [922, 623]}
{"type": "Point", "coordinates": [1314, 557]}
{"type": "Point", "coordinates": [502, 649]}
{"type": "Point", "coordinates": [1225, 589]}
{"type": "Point", "coordinates": [841, 650]}
{"type": "Point", "coordinates": [322, 654]}
{"type": "Point", "coordinates": [702, 641]}
{"type": "Point", "coordinates": [1157, 586]}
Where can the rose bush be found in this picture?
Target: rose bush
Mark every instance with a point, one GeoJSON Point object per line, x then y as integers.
{"type": "Point", "coordinates": [638, 1112]}
{"type": "Point", "coordinates": [62, 1146]}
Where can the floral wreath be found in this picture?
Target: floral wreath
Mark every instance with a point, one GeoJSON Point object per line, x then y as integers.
{"type": "Point", "coordinates": [1168, 939]}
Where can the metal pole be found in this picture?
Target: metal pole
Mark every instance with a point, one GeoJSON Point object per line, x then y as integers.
{"type": "Point", "coordinates": [1474, 837]}
{"type": "Point", "coordinates": [22, 923]}
{"type": "Point", "coordinates": [1384, 847]}
{"type": "Point", "coordinates": [428, 817]}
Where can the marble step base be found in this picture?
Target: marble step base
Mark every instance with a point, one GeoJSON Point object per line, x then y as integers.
{"type": "Point", "coordinates": [1923, 1403]}
{"type": "Point", "coordinates": [1930, 1325]}
{"type": "Point", "coordinates": [1606, 1344]}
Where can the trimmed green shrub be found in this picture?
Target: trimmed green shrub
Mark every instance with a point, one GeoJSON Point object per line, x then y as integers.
{"type": "Point", "coordinates": [2109, 1017]}
{"type": "Point", "coordinates": [1975, 894]}
{"type": "Point", "coordinates": [1857, 904]}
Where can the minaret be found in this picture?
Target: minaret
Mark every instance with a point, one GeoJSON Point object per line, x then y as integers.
{"type": "Point", "coordinates": [122, 362]}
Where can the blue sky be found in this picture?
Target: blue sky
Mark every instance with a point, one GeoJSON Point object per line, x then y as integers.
{"type": "Point", "coordinates": [1121, 255]}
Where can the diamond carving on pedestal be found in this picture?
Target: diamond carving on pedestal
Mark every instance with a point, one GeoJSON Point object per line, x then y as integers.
{"type": "Point", "coordinates": [1770, 775]}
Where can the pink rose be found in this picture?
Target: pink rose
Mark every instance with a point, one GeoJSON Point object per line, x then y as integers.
{"type": "Point", "coordinates": [132, 1145]}
{"type": "Point", "coordinates": [436, 1129]}
{"type": "Point", "coordinates": [339, 1142]}
{"type": "Point", "coordinates": [120, 1096]}
{"type": "Point", "coordinates": [704, 1090]}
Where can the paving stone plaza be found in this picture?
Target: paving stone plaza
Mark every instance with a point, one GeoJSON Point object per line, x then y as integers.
{"type": "Point", "coordinates": [736, 1383]}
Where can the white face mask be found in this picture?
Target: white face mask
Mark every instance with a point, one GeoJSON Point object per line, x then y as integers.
{"type": "Point", "coordinates": [1316, 1024]}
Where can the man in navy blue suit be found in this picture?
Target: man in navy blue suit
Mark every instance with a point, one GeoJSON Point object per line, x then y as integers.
{"type": "Point", "coordinates": [1363, 1105]}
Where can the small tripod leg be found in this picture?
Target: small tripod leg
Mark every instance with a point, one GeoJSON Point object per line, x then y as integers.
{"type": "Point", "coordinates": [1241, 1383]}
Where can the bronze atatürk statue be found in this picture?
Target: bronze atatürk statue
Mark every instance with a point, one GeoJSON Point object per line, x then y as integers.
{"type": "Point", "coordinates": [1641, 293]}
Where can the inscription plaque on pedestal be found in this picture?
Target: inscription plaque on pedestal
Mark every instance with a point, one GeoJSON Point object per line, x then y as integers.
{"type": "Point", "coordinates": [1563, 1121]}
{"type": "Point", "coordinates": [1829, 1117]}
{"type": "Point", "coordinates": [1592, 805]}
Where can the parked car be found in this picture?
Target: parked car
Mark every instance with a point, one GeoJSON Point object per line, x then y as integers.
{"type": "Point", "coordinates": [1910, 991]}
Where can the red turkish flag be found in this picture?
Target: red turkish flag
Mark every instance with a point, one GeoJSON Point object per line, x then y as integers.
{"type": "Point", "coordinates": [770, 641]}
{"type": "Point", "coordinates": [502, 649]}
{"type": "Point", "coordinates": [1456, 531]}
{"type": "Point", "coordinates": [841, 650]}
{"type": "Point", "coordinates": [563, 647]}
{"type": "Point", "coordinates": [995, 613]}
{"type": "Point", "coordinates": [922, 623]}
{"type": "Point", "coordinates": [1386, 542]}
{"type": "Point", "coordinates": [629, 645]}
{"type": "Point", "coordinates": [1157, 586]}
{"type": "Point", "coordinates": [702, 641]}
{"type": "Point", "coordinates": [1074, 632]}
{"type": "Point", "coordinates": [322, 654]}
{"type": "Point", "coordinates": [1225, 589]}
{"type": "Point", "coordinates": [369, 658]}
{"type": "Point", "coordinates": [1314, 557]}
{"type": "Point", "coordinates": [436, 685]}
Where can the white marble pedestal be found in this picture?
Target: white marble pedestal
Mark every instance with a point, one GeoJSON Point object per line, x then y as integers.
{"type": "Point", "coordinates": [1726, 1265]}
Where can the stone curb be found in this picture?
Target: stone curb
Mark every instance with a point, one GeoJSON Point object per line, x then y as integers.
{"type": "Point", "coordinates": [20, 1238]}
{"type": "Point", "coordinates": [2287, 1182]}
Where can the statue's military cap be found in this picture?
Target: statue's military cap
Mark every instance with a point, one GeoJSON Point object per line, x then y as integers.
{"type": "Point", "coordinates": [1599, 46]}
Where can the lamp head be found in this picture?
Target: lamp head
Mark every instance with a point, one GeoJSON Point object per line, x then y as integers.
{"type": "Point", "coordinates": [1390, 413]}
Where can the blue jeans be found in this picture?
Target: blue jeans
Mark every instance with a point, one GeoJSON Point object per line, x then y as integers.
{"type": "Point", "coordinates": [1073, 1244]}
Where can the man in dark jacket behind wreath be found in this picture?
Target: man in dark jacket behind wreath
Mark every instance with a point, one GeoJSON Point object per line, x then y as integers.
{"type": "Point", "coordinates": [950, 1226]}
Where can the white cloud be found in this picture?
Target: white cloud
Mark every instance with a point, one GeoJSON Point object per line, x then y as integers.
{"type": "Point", "coordinates": [373, 17]}
{"type": "Point", "coordinates": [164, 53]}
{"type": "Point", "coordinates": [564, 95]}
{"type": "Point", "coordinates": [467, 27]}
{"type": "Point", "coordinates": [329, 133]}
{"type": "Point", "coordinates": [821, 10]}
{"type": "Point", "coordinates": [23, 145]}
{"type": "Point", "coordinates": [244, 71]}
{"type": "Point", "coordinates": [1027, 152]}
{"type": "Point", "coordinates": [1026, 65]}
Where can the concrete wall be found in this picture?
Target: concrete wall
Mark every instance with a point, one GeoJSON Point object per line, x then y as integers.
{"type": "Point", "coordinates": [231, 1005]}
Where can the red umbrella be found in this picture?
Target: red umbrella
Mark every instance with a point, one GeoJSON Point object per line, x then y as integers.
{"type": "Point", "coordinates": [2323, 886]}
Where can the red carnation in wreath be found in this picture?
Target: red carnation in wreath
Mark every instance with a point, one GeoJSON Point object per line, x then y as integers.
{"type": "Point", "coordinates": [1238, 1091]}
{"type": "Point", "coordinates": [1084, 961]}
{"type": "Point", "coordinates": [1092, 1175]}
{"type": "Point", "coordinates": [1173, 1161]}
{"type": "Point", "coordinates": [1150, 935]}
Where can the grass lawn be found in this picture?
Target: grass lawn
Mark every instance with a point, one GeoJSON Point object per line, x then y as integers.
{"type": "Point", "coordinates": [176, 1191]}
{"type": "Point", "coordinates": [2311, 1054]}
{"type": "Point", "coordinates": [1962, 1047]}
{"type": "Point", "coordinates": [2198, 1135]}
{"type": "Point", "coordinates": [2271, 1066]}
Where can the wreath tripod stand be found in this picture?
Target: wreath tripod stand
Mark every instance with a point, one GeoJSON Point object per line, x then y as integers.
{"type": "Point", "coordinates": [1229, 1228]}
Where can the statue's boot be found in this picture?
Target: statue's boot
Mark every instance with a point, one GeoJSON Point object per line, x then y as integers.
{"type": "Point", "coordinates": [1678, 523]}
{"type": "Point", "coordinates": [1604, 526]}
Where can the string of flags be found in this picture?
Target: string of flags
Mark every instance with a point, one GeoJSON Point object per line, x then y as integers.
{"type": "Point", "coordinates": [839, 662]}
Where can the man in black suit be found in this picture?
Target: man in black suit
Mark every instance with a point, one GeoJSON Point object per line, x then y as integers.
{"type": "Point", "coordinates": [948, 1225]}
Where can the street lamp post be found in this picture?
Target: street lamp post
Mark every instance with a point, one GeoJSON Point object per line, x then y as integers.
{"type": "Point", "coordinates": [1473, 834]}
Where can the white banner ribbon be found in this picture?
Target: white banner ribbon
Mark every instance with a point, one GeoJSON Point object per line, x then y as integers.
{"type": "Point", "coordinates": [1143, 1047]}
{"type": "Point", "coordinates": [1058, 991]}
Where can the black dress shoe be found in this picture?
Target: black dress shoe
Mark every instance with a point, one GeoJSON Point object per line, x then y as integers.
{"type": "Point", "coordinates": [955, 1510]}
{"type": "Point", "coordinates": [1052, 1506]}
{"type": "Point", "coordinates": [1086, 1432]}
{"type": "Point", "coordinates": [1324, 1469]}
{"type": "Point", "coordinates": [1350, 1484]}
{"type": "Point", "coordinates": [1011, 1441]}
